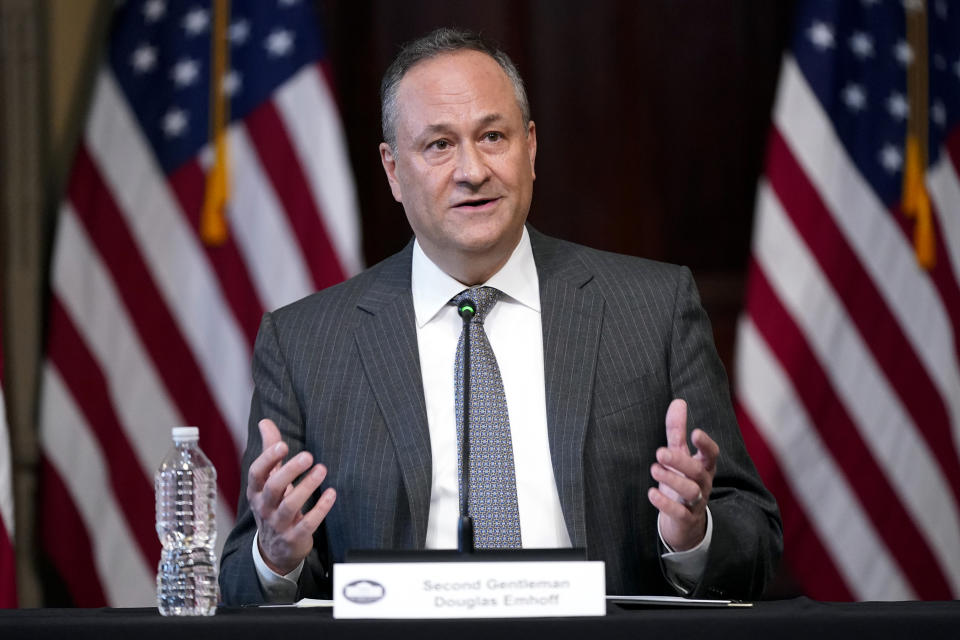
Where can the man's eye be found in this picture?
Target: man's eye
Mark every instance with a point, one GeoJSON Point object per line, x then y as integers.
{"type": "Point", "coordinates": [493, 136]}
{"type": "Point", "coordinates": [439, 145]}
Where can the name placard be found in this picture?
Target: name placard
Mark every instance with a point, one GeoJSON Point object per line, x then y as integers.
{"type": "Point", "coordinates": [468, 589]}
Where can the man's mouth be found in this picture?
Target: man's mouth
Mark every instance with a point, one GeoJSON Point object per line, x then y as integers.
{"type": "Point", "coordinates": [477, 203]}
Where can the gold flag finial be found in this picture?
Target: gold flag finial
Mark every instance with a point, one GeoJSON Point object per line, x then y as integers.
{"type": "Point", "coordinates": [915, 201]}
{"type": "Point", "coordinates": [213, 218]}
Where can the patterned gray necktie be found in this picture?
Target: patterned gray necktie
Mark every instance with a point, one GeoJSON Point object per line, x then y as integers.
{"type": "Point", "coordinates": [493, 484]}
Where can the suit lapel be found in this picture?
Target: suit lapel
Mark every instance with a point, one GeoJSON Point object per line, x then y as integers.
{"type": "Point", "coordinates": [572, 315]}
{"type": "Point", "coordinates": [387, 341]}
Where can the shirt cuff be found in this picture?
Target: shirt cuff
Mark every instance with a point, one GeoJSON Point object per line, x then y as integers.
{"type": "Point", "coordinates": [683, 569]}
{"type": "Point", "coordinates": [276, 587]}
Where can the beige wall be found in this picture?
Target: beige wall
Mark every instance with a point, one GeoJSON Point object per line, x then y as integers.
{"type": "Point", "coordinates": [49, 48]}
{"type": "Point", "coordinates": [75, 33]}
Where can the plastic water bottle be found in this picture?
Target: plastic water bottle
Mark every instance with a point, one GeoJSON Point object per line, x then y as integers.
{"type": "Point", "coordinates": [186, 490]}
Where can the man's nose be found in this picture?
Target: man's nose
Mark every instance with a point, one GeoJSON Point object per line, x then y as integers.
{"type": "Point", "coordinates": [471, 169]}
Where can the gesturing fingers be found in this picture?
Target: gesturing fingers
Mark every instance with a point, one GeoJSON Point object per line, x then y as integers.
{"type": "Point", "coordinates": [275, 486]}
{"type": "Point", "coordinates": [707, 450]}
{"type": "Point", "coordinates": [688, 466]}
{"type": "Point", "coordinates": [265, 464]}
{"type": "Point", "coordinates": [677, 425]}
{"type": "Point", "coordinates": [295, 497]}
{"type": "Point", "coordinates": [684, 481]}
{"type": "Point", "coordinates": [312, 519]}
{"type": "Point", "coordinates": [687, 516]}
{"type": "Point", "coordinates": [269, 433]}
{"type": "Point", "coordinates": [680, 488]}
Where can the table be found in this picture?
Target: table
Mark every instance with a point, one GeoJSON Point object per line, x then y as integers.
{"type": "Point", "coordinates": [781, 619]}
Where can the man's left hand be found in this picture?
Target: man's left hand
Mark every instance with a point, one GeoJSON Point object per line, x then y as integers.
{"type": "Point", "coordinates": [685, 481]}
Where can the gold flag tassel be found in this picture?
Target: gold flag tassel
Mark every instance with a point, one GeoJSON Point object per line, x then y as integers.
{"type": "Point", "coordinates": [213, 218]}
{"type": "Point", "coordinates": [916, 205]}
{"type": "Point", "coordinates": [915, 201]}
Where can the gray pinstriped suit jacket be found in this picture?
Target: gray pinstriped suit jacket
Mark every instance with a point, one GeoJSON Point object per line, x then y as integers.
{"type": "Point", "coordinates": [339, 373]}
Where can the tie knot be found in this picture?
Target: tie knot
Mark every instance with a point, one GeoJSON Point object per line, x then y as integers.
{"type": "Point", "coordinates": [483, 297]}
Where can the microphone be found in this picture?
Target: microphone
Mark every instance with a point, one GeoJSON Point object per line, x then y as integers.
{"type": "Point", "coordinates": [465, 551]}
{"type": "Point", "coordinates": [467, 309]}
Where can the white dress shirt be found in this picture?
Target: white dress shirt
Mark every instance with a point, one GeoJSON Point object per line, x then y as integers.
{"type": "Point", "coordinates": [515, 332]}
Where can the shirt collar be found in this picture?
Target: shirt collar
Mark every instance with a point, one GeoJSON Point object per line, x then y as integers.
{"type": "Point", "coordinates": [432, 288]}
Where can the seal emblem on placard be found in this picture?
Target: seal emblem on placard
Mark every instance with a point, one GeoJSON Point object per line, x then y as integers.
{"type": "Point", "coordinates": [364, 591]}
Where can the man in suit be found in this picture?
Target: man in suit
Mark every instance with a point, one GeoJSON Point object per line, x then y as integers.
{"type": "Point", "coordinates": [605, 360]}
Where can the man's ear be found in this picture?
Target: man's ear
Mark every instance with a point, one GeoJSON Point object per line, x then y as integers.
{"type": "Point", "coordinates": [389, 163]}
{"type": "Point", "coordinates": [532, 147]}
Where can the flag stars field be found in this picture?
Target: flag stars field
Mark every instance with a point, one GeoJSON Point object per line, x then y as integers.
{"type": "Point", "coordinates": [903, 52]}
{"type": "Point", "coordinates": [855, 97]}
{"type": "Point", "coordinates": [821, 35]}
{"type": "Point", "coordinates": [185, 72]}
{"type": "Point", "coordinates": [174, 122]}
{"type": "Point", "coordinates": [891, 158]}
{"type": "Point", "coordinates": [897, 106]}
{"type": "Point", "coordinates": [279, 43]}
{"type": "Point", "coordinates": [232, 83]}
{"type": "Point", "coordinates": [938, 113]}
{"type": "Point", "coordinates": [196, 21]}
{"type": "Point", "coordinates": [862, 45]}
{"type": "Point", "coordinates": [154, 10]}
{"type": "Point", "coordinates": [912, 5]}
{"type": "Point", "coordinates": [239, 32]}
{"type": "Point", "coordinates": [144, 58]}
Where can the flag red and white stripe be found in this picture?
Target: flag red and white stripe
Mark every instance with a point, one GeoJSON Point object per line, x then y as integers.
{"type": "Point", "coordinates": [8, 567]}
{"type": "Point", "coordinates": [150, 328]}
{"type": "Point", "coordinates": [847, 378]}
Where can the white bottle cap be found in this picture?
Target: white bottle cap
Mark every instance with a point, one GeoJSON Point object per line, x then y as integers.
{"type": "Point", "coordinates": [185, 434]}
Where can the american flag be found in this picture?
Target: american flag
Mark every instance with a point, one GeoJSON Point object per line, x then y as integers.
{"type": "Point", "coordinates": [154, 302]}
{"type": "Point", "coordinates": [847, 377]}
{"type": "Point", "coordinates": [8, 574]}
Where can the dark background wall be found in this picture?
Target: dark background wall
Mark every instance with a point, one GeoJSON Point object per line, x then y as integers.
{"type": "Point", "coordinates": [651, 120]}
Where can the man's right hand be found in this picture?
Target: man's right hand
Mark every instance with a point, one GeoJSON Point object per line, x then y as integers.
{"type": "Point", "coordinates": [285, 533]}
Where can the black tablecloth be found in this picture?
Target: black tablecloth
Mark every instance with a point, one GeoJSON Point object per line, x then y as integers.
{"type": "Point", "coordinates": [782, 620]}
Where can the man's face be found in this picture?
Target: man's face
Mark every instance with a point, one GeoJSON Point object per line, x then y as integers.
{"type": "Point", "coordinates": [463, 166]}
